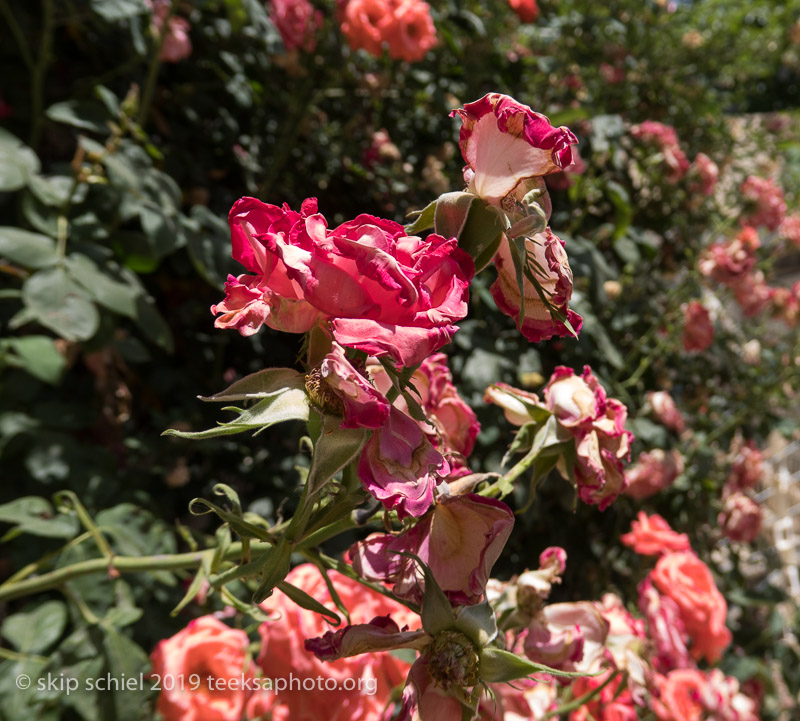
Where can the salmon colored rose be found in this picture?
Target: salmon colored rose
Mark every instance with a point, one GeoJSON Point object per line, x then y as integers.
{"type": "Point", "coordinates": [527, 10]}
{"type": "Point", "coordinates": [680, 694]}
{"type": "Point", "coordinates": [652, 536]}
{"type": "Point", "coordinates": [206, 648]}
{"type": "Point", "coordinates": [685, 579]}
{"type": "Point", "coordinates": [404, 26]}
{"type": "Point", "coordinates": [283, 651]}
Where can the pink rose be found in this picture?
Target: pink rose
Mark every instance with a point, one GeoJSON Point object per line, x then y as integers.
{"type": "Point", "coordinates": [740, 518]}
{"type": "Point", "coordinates": [571, 399]}
{"type": "Point", "coordinates": [666, 411]}
{"type": "Point", "coordinates": [461, 568]}
{"type": "Point", "coordinates": [205, 648]}
{"type": "Point", "coordinates": [707, 174]}
{"type": "Point", "coordinates": [297, 22]}
{"type": "Point", "coordinates": [283, 651]}
{"type": "Point", "coordinates": [400, 466]}
{"type": "Point", "coordinates": [729, 262]}
{"type": "Point", "coordinates": [452, 425]}
{"type": "Point", "coordinates": [567, 636]}
{"type": "Point", "coordinates": [526, 10]}
{"type": "Point", "coordinates": [362, 405]}
{"type": "Point", "coordinates": [665, 139]}
{"type": "Point", "coordinates": [652, 536]}
{"type": "Point", "coordinates": [664, 628]}
{"type": "Point", "coordinates": [382, 291]}
{"type": "Point", "coordinates": [698, 332]}
{"type": "Point", "coordinates": [789, 229]}
{"type": "Point", "coordinates": [653, 472]}
{"type": "Point", "coordinates": [786, 303]}
{"type": "Point", "coordinates": [747, 468]}
{"type": "Point", "coordinates": [764, 203]}
{"type": "Point", "coordinates": [752, 293]}
{"type": "Point", "coordinates": [602, 449]}
{"type": "Point", "coordinates": [518, 405]}
{"type": "Point", "coordinates": [176, 44]}
{"type": "Point", "coordinates": [554, 275]}
{"type": "Point", "coordinates": [685, 579]}
{"type": "Point", "coordinates": [505, 142]}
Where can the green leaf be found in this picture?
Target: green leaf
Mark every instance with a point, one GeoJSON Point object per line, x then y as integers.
{"type": "Point", "coordinates": [85, 114]}
{"type": "Point", "coordinates": [335, 448]}
{"type": "Point", "coordinates": [114, 10]}
{"type": "Point", "coordinates": [30, 250]}
{"type": "Point", "coordinates": [302, 599]}
{"type": "Point", "coordinates": [288, 404]}
{"type": "Point", "coordinates": [499, 666]}
{"type": "Point", "coordinates": [35, 515]}
{"type": "Point", "coordinates": [40, 357]}
{"type": "Point", "coordinates": [275, 568]}
{"type": "Point", "coordinates": [424, 219]}
{"type": "Point", "coordinates": [200, 506]}
{"type": "Point", "coordinates": [126, 660]}
{"type": "Point", "coordinates": [115, 295]}
{"type": "Point", "coordinates": [259, 385]}
{"type": "Point", "coordinates": [59, 304]}
{"type": "Point", "coordinates": [436, 612]}
{"type": "Point", "coordinates": [35, 629]}
{"type": "Point", "coordinates": [17, 162]}
{"type": "Point", "coordinates": [152, 323]}
{"type": "Point", "coordinates": [623, 210]}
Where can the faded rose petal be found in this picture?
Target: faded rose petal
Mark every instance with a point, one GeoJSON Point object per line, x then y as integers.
{"type": "Point", "coordinates": [363, 405]}
{"type": "Point", "coordinates": [554, 275]}
{"type": "Point", "coordinates": [459, 539]}
{"type": "Point", "coordinates": [400, 467]}
{"type": "Point", "coordinates": [504, 142]}
{"type": "Point", "coordinates": [380, 634]}
{"type": "Point", "coordinates": [665, 628]}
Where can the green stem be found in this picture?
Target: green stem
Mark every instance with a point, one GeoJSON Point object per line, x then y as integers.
{"type": "Point", "coordinates": [581, 700]}
{"type": "Point", "coordinates": [39, 71]}
{"type": "Point", "coordinates": [22, 44]}
{"type": "Point", "coordinates": [152, 70]}
{"type": "Point", "coordinates": [122, 564]}
{"type": "Point", "coordinates": [349, 571]}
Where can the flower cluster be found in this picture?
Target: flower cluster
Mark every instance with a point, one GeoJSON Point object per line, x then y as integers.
{"type": "Point", "coordinates": [764, 203]}
{"type": "Point", "coordinates": [508, 149]}
{"type": "Point", "coordinates": [405, 27]}
{"type": "Point", "coordinates": [587, 419]}
{"type": "Point", "coordinates": [665, 140]}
